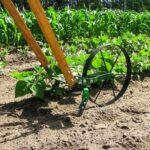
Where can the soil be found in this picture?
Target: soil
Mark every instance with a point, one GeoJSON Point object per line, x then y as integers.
{"type": "Point", "coordinates": [28, 123]}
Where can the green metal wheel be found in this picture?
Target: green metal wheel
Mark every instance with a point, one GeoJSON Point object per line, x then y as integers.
{"type": "Point", "coordinates": [108, 59]}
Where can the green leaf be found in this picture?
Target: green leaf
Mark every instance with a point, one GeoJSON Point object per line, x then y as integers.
{"type": "Point", "coordinates": [39, 70]}
{"type": "Point", "coordinates": [96, 64]}
{"type": "Point", "coordinates": [22, 88]}
{"type": "Point", "coordinates": [30, 79]}
{"type": "Point", "coordinates": [38, 88]}
{"type": "Point", "coordinates": [21, 75]}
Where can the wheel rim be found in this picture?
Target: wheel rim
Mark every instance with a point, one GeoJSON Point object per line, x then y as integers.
{"type": "Point", "coordinates": [106, 59]}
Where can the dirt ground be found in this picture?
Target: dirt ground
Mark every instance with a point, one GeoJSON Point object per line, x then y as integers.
{"type": "Point", "coordinates": [30, 124]}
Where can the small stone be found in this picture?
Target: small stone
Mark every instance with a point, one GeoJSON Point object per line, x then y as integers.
{"type": "Point", "coordinates": [32, 148]}
{"type": "Point", "coordinates": [137, 120]}
{"type": "Point", "coordinates": [46, 126]}
{"type": "Point", "coordinates": [99, 126]}
{"type": "Point", "coordinates": [123, 126]}
{"type": "Point", "coordinates": [106, 146]}
{"type": "Point", "coordinates": [83, 132]}
{"type": "Point", "coordinates": [145, 86]}
{"type": "Point", "coordinates": [124, 135]}
{"type": "Point", "coordinates": [86, 123]}
{"type": "Point", "coordinates": [131, 92]}
{"type": "Point", "coordinates": [90, 129]}
{"type": "Point", "coordinates": [83, 149]}
{"type": "Point", "coordinates": [82, 125]}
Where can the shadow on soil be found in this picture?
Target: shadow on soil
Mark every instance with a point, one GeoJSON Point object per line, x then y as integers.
{"type": "Point", "coordinates": [33, 115]}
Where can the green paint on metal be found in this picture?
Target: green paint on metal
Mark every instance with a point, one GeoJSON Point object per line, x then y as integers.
{"type": "Point", "coordinates": [85, 94]}
{"type": "Point", "coordinates": [94, 78]}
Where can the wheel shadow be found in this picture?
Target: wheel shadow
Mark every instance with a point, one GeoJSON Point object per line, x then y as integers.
{"type": "Point", "coordinates": [34, 115]}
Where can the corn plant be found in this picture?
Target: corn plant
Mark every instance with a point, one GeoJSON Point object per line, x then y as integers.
{"type": "Point", "coordinates": [69, 24]}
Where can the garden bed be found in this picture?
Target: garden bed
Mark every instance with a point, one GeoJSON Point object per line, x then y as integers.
{"type": "Point", "coordinates": [30, 124]}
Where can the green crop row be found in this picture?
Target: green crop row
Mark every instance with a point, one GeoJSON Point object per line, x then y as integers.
{"type": "Point", "coordinates": [82, 30]}
{"type": "Point", "coordinates": [70, 24]}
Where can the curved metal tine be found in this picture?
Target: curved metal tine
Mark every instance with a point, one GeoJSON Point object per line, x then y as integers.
{"type": "Point", "coordinates": [119, 78]}
{"type": "Point", "coordinates": [91, 99]}
{"type": "Point", "coordinates": [113, 90]}
{"type": "Point", "coordinates": [115, 61]}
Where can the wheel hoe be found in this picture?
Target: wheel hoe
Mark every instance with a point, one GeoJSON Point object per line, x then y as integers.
{"type": "Point", "coordinates": [102, 82]}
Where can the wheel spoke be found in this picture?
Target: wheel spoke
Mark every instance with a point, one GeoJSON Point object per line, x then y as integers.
{"type": "Point", "coordinates": [101, 87]}
{"type": "Point", "coordinates": [103, 60]}
{"type": "Point", "coordinates": [115, 62]}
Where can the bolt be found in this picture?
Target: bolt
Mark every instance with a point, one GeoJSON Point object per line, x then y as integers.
{"type": "Point", "coordinates": [68, 72]}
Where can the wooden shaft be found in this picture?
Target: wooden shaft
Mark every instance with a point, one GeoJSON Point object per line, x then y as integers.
{"type": "Point", "coordinates": [25, 31]}
{"type": "Point", "coordinates": [52, 40]}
